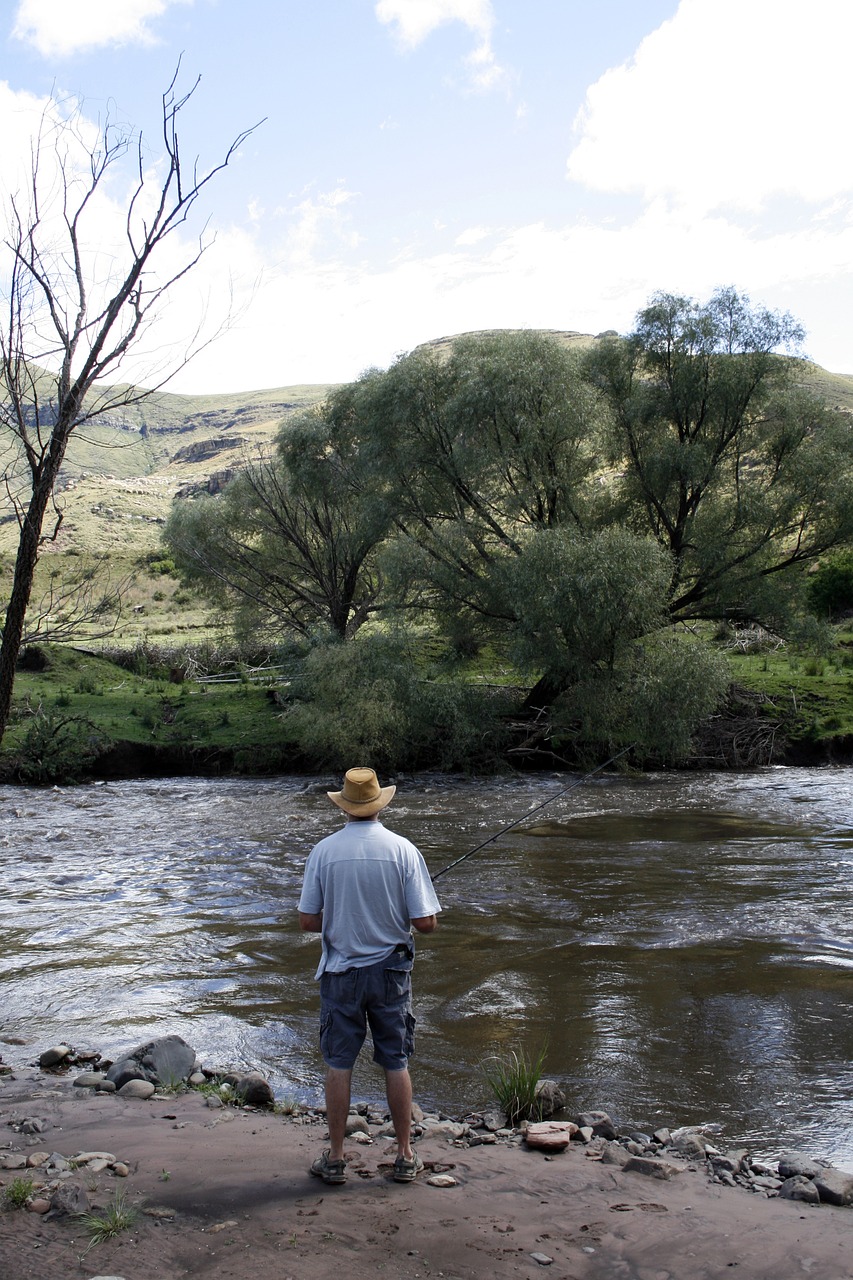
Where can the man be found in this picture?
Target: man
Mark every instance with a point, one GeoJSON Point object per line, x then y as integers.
{"type": "Point", "coordinates": [364, 889]}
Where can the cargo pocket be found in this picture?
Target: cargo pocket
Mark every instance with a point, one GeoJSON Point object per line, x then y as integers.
{"type": "Point", "coordinates": [410, 1034]}
{"type": "Point", "coordinates": [398, 985]}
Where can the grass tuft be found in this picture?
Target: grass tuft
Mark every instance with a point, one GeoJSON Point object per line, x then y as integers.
{"type": "Point", "coordinates": [18, 1192]}
{"type": "Point", "coordinates": [118, 1217]}
{"type": "Point", "coordinates": [513, 1079]}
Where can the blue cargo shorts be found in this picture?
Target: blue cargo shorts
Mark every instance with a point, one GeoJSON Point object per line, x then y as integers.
{"type": "Point", "coordinates": [378, 996]}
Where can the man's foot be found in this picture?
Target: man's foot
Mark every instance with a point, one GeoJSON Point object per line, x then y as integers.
{"type": "Point", "coordinates": [407, 1170]}
{"type": "Point", "coordinates": [331, 1171]}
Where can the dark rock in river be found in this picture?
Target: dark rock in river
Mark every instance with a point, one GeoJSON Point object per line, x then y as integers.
{"type": "Point", "coordinates": [168, 1061]}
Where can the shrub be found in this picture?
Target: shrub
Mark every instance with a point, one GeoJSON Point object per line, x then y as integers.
{"type": "Point", "coordinates": [58, 749]}
{"type": "Point", "coordinates": [830, 589]}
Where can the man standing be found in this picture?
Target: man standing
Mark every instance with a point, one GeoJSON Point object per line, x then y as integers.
{"type": "Point", "coordinates": [364, 889]}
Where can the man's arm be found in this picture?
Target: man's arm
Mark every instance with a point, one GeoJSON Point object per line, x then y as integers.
{"type": "Point", "coordinates": [312, 923]}
{"type": "Point", "coordinates": [423, 924]}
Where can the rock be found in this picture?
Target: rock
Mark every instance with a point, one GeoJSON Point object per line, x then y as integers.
{"type": "Point", "coordinates": [614, 1153]}
{"type": "Point", "coordinates": [356, 1124]}
{"type": "Point", "coordinates": [793, 1164]}
{"type": "Point", "coordinates": [542, 1259]}
{"type": "Point", "coordinates": [651, 1168]}
{"type": "Point", "coordinates": [120, 1169]}
{"type": "Point", "coordinates": [550, 1135]}
{"type": "Point", "coordinates": [834, 1186]}
{"type": "Point", "coordinates": [663, 1136]}
{"type": "Point", "coordinates": [137, 1089]}
{"type": "Point", "coordinates": [168, 1061]}
{"type": "Point", "coordinates": [688, 1143]}
{"type": "Point", "coordinates": [585, 1133]}
{"type": "Point", "coordinates": [441, 1180]}
{"type": "Point", "coordinates": [444, 1128]}
{"type": "Point", "coordinates": [417, 1113]}
{"type": "Point", "coordinates": [105, 1086]}
{"type": "Point", "coordinates": [731, 1162]}
{"type": "Point", "coordinates": [36, 1159]}
{"type": "Point", "coordinates": [600, 1123]}
{"type": "Point", "coordinates": [69, 1200]}
{"type": "Point", "coordinates": [493, 1120]}
{"type": "Point", "coordinates": [197, 1078]}
{"type": "Point", "coordinates": [90, 1080]}
{"type": "Point", "coordinates": [13, 1160]}
{"type": "Point", "coordinates": [799, 1187]}
{"type": "Point", "coordinates": [53, 1057]}
{"type": "Point", "coordinates": [549, 1098]}
{"type": "Point", "coordinates": [35, 1125]}
{"type": "Point", "coordinates": [253, 1090]}
{"type": "Point", "coordinates": [39, 1205]}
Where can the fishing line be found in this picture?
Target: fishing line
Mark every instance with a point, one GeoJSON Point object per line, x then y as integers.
{"type": "Point", "coordinates": [571, 787]}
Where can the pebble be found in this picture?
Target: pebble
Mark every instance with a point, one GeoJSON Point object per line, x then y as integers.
{"type": "Point", "coordinates": [542, 1259]}
{"type": "Point", "coordinates": [441, 1180]}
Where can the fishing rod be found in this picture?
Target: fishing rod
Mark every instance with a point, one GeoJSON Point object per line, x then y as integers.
{"type": "Point", "coordinates": [571, 787]}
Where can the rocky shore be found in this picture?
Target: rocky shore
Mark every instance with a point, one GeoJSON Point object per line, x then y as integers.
{"type": "Point", "coordinates": [198, 1180]}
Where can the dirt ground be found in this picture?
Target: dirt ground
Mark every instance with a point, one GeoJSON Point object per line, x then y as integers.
{"type": "Point", "coordinates": [226, 1195]}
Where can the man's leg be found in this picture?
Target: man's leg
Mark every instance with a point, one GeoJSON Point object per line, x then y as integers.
{"type": "Point", "coordinates": [338, 1084]}
{"type": "Point", "coordinates": [398, 1087]}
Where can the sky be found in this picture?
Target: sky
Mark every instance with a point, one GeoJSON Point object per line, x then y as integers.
{"type": "Point", "coordinates": [431, 167]}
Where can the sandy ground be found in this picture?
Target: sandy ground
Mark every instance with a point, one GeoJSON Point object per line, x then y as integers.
{"type": "Point", "coordinates": [234, 1199]}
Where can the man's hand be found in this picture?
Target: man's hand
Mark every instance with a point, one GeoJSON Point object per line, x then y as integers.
{"type": "Point", "coordinates": [311, 923]}
{"type": "Point", "coordinates": [425, 924]}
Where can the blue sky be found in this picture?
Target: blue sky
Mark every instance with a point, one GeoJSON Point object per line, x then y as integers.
{"type": "Point", "coordinates": [428, 167]}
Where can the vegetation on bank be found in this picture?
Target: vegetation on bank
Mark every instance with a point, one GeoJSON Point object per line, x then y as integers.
{"type": "Point", "coordinates": [146, 711]}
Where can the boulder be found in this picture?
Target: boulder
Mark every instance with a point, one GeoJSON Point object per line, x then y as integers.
{"type": "Point", "coordinates": [599, 1122]}
{"type": "Point", "coordinates": [550, 1135]}
{"type": "Point", "coordinates": [688, 1143]}
{"type": "Point", "coordinates": [834, 1186]}
{"type": "Point", "coordinates": [168, 1061]}
{"type": "Point", "coordinates": [253, 1090]}
{"type": "Point", "coordinates": [799, 1188]}
{"type": "Point", "coordinates": [549, 1098]}
{"type": "Point", "coordinates": [137, 1089]}
{"type": "Point", "coordinates": [793, 1164]}
{"type": "Point", "coordinates": [53, 1057]}
{"type": "Point", "coordinates": [651, 1168]}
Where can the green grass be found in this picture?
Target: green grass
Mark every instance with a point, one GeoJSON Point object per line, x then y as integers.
{"type": "Point", "coordinates": [513, 1078]}
{"type": "Point", "coordinates": [812, 693]}
{"type": "Point", "coordinates": [117, 1217]}
{"type": "Point", "coordinates": [18, 1192]}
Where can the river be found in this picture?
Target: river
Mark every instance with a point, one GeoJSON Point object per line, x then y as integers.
{"type": "Point", "coordinates": [682, 943]}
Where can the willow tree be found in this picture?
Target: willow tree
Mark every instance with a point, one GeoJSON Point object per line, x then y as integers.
{"type": "Point", "coordinates": [71, 314]}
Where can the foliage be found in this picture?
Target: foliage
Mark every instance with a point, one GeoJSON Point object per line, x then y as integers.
{"type": "Point", "coordinates": [18, 1192]}
{"type": "Point", "coordinates": [284, 550]}
{"type": "Point", "coordinates": [721, 453]}
{"type": "Point", "coordinates": [513, 1079]}
{"type": "Point", "coordinates": [368, 700]}
{"type": "Point", "coordinates": [830, 588]}
{"type": "Point", "coordinates": [58, 748]}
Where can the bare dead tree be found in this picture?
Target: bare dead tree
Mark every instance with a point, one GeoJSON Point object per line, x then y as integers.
{"type": "Point", "coordinates": [65, 330]}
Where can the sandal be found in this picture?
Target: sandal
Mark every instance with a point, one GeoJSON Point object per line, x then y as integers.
{"type": "Point", "coordinates": [332, 1171]}
{"type": "Point", "coordinates": [407, 1170]}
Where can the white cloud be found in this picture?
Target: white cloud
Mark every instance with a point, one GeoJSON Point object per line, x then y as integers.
{"type": "Point", "coordinates": [727, 103]}
{"type": "Point", "coordinates": [58, 28]}
{"type": "Point", "coordinates": [415, 20]}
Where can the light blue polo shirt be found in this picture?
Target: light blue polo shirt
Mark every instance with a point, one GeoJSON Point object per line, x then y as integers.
{"type": "Point", "coordinates": [370, 884]}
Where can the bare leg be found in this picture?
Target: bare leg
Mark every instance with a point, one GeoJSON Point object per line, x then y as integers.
{"type": "Point", "coordinates": [398, 1086]}
{"type": "Point", "coordinates": [338, 1083]}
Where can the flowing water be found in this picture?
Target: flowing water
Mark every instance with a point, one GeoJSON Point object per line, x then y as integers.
{"type": "Point", "coordinates": [683, 943]}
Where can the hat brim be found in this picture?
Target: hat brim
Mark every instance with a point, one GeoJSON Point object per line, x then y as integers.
{"type": "Point", "coordinates": [367, 809]}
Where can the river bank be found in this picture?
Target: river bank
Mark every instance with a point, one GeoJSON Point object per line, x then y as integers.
{"type": "Point", "coordinates": [226, 1193]}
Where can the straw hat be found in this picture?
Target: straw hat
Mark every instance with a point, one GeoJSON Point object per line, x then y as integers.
{"type": "Point", "coordinates": [362, 795]}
